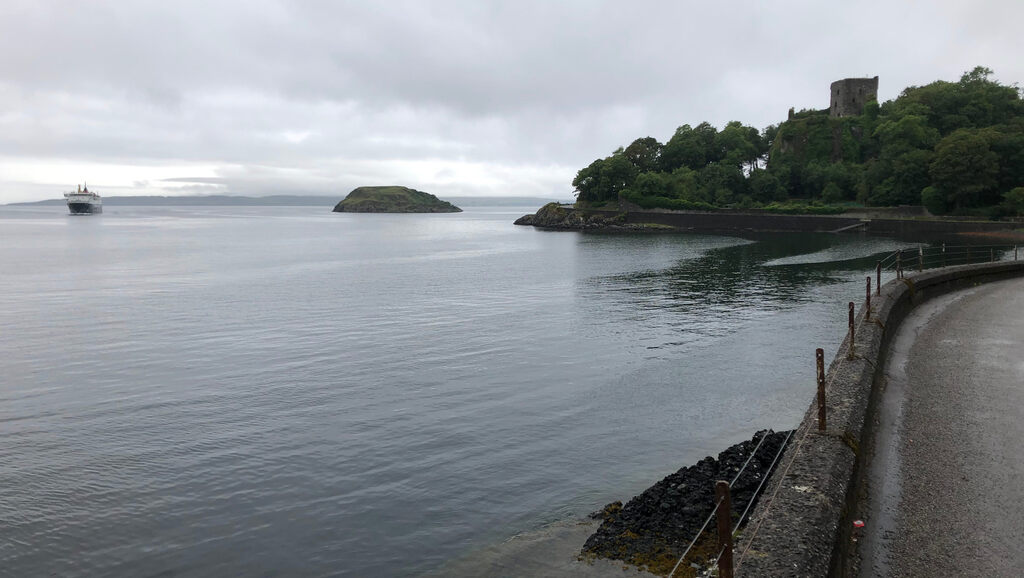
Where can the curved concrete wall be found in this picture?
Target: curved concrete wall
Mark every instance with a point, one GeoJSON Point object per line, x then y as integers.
{"type": "Point", "coordinates": [800, 525]}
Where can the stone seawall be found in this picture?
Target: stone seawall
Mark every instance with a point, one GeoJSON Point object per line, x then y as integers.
{"type": "Point", "coordinates": [800, 526]}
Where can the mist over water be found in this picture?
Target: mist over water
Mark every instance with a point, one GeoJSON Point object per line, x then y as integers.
{"type": "Point", "coordinates": [215, 391]}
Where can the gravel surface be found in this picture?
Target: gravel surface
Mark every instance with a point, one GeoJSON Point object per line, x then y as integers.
{"type": "Point", "coordinates": [946, 482]}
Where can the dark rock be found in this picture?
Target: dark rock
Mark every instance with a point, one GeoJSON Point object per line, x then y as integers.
{"type": "Point", "coordinates": [654, 528]}
{"type": "Point", "coordinates": [556, 216]}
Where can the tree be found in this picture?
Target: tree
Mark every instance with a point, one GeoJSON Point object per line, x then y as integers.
{"type": "Point", "coordinates": [1013, 201]}
{"type": "Point", "coordinates": [934, 200]}
{"type": "Point", "coordinates": [765, 186]}
{"type": "Point", "coordinates": [587, 182]}
{"type": "Point", "coordinates": [686, 148]}
{"type": "Point", "coordinates": [644, 153]}
{"type": "Point", "coordinates": [964, 168]}
{"type": "Point", "coordinates": [739, 145]}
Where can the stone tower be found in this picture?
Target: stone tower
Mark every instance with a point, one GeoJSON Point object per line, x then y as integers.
{"type": "Point", "coordinates": [849, 96]}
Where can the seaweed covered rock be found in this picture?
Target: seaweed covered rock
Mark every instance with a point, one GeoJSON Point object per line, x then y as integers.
{"type": "Point", "coordinates": [653, 529]}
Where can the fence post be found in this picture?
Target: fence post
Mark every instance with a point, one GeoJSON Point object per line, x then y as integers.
{"type": "Point", "coordinates": [899, 265]}
{"type": "Point", "coordinates": [850, 354]}
{"type": "Point", "coordinates": [991, 255]}
{"type": "Point", "coordinates": [878, 278]}
{"type": "Point", "coordinates": [819, 356]}
{"type": "Point", "coordinates": [943, 254]}
{"type": "Point", "coordinates": [968, 255]}
{"type": "Point", "coordinates": [724, 528]}
{"type": "Point", "coordinates": [867, 301]}
{"type": "Point", "coordinates": [1015, 252]}
{"type": "Point", "coordinates": [920, 259]}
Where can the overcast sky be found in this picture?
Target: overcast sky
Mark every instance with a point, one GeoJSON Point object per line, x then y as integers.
{"type": "Point", "coordinates": [452, 97]}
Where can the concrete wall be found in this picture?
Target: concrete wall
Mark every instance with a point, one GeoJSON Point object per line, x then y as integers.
{"type": "Point", "coordinates": [800, 527]}
{"type": "Point", "coordinates": [752, 220]}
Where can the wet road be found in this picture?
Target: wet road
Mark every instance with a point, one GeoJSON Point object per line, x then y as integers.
{"type": "Point", "coordinates": [946, 481]}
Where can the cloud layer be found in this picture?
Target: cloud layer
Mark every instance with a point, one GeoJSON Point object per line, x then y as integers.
{"type": "Point", "coordinates": [463, 98]}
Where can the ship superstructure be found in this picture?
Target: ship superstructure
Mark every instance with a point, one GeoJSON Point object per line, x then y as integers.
{"type": "Point", "coordinates": [84, 202]}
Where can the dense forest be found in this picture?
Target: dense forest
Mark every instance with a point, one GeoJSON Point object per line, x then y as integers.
{"type": "Point", "coordinates": [955, 147]}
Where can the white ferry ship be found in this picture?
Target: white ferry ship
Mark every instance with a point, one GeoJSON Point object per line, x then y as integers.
{"type": "Point", "coordinates": [84, 202]}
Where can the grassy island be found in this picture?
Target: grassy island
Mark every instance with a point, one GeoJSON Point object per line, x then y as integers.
{"type": "Point", "coordinates": [393, 200]}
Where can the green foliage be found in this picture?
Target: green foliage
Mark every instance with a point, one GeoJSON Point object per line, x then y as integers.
{"type": "Point", "coordinates": [964, 168]}
{"type": "Point", "coordinates": [832, 194]}
{"type": "Point", "coordinates": [656, 202]}
{"type": "Point", "coordinates": [803, 209]}
{"type": "Point", "coordinates": [393, 200]}
{"type": "Point", "coordinates": [934, 200]}
{"type": "Point", "coordinates": [1013, 201]}
{"type": "Point", "coordinates": [954, 146]}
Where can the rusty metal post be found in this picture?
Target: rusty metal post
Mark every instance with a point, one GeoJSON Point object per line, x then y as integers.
{"type": "Point", "coordinates": [819, 357]}
{"type": "Point", "coordinates": [724, 528]}
{"type": "Point", "coordinates": [920, 259]}
{"type": "Point", "coordinates": [850, 354]}
{"type": "Point", "coordinates": [878, 278]}
{"type": "Point", "coordinates": [867, 301]}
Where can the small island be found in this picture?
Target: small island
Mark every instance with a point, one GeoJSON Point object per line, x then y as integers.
{"type": "Point", "coordinates": [393, 200]}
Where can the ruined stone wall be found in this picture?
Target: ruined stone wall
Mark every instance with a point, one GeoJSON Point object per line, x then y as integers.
{"type": "Point", "coordinates": [849, 96]}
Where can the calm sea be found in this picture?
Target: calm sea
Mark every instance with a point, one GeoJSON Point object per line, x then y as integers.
{"type": "Point", "coordinates": [224, 391]}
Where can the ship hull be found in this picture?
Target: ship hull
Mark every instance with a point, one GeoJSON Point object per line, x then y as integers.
{"type": "Point", "coordinates": [85, 208]}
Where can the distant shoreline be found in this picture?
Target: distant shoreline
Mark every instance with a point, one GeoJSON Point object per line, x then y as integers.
{"type": "Point", "coordinates": [270, 201]}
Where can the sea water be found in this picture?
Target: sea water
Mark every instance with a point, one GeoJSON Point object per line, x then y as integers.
{"type": "Point", "coordinates": [219, 391]}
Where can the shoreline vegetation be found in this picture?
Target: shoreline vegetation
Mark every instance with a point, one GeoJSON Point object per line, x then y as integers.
{"type": "Point", "coordinates": [957, 148]}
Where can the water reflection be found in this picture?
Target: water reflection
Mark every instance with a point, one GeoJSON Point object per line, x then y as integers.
{"type": "Point", "coordinates": [714, 282]}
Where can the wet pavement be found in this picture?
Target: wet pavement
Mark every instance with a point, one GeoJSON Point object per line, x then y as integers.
{"type": "Point", "coordinates": [945, 491]}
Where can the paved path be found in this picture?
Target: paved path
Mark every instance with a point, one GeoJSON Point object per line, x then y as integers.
{"type": "Point", "coordinates": [946, 481]}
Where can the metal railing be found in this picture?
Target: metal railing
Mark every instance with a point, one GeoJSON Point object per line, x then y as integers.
{"type": "Point", "coordinates": [898, 262]}
{"type": "Point", "coordinates": [933, 256]}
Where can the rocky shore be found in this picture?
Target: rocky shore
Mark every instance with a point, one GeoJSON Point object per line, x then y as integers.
{"type": "Point", "coordinates": [555, 216]}
{"type": "Point", "coordinates": [653, 529]}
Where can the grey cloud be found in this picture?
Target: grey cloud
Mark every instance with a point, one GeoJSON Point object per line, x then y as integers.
{"type": "Point", "coordinates": [322, 90]}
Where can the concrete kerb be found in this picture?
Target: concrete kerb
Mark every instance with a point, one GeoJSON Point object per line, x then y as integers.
{"type": "Point", "coordinates": [800, 525]}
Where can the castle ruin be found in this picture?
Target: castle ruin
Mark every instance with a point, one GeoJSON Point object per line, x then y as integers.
{"type": "Point", "coordinates": [849, 96]}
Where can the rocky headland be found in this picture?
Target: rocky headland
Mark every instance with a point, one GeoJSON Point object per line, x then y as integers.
{"type": "Point", "coordinates": [556, 216]}
{"type": "Point", "coordinates": [654, 528]}
{"type": "Point", "coordinates": [393, 200]}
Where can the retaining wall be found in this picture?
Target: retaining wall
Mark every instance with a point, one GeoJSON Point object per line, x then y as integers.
{"type": "Point", "coordinates": [800, 527]}
{"type": "Point", "coordinates": [736, 220]}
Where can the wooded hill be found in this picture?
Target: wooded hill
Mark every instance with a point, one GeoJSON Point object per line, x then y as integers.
{"type": "Point", "coordinates": [956, 147]}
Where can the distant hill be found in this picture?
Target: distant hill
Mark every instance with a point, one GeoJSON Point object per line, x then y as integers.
{"type": "Point", "coordinates": [280, 200]}
{"type": "Point", "coordinates": [210, 200]}
{"type": "Point", "coordinates": [393, 200]}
